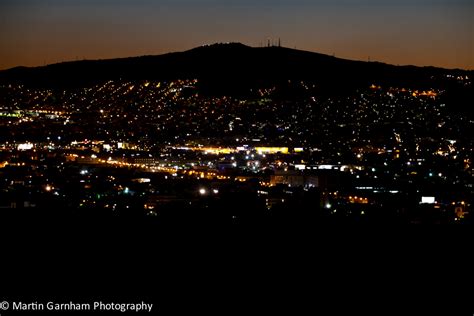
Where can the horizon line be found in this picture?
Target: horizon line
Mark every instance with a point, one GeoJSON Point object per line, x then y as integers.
{"type": "Point", "coordinates": [246, 45]}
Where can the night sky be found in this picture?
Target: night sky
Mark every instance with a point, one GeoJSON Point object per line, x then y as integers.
{"type": "Point", "coordinates": [419, 32]}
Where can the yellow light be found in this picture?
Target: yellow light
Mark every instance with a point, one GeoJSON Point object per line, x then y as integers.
{"type": "Point", "coordinates": [272, 150]}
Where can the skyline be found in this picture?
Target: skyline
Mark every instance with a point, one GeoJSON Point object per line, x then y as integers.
{"type": "Point", "coordinates": [422, 32]}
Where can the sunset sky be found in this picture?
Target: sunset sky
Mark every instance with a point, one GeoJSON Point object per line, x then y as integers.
{"type": "Point", "coordinates": [419, 32]}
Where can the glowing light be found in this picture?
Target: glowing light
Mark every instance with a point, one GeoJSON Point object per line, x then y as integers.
{"type": "Point", "coordinates": [428, 200]}
{"type": "Point", "coordinates": [26, 146]}
{"type": "Point", "coordinates": [202, 191]}
{"type": "Point", "coordinates": [210, 150]}
{"type": "Point", "coordinates": [143, 180]}
{"type": "Point", "coordinates": [271, 150]}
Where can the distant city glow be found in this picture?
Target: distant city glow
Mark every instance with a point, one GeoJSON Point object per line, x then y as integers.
{"type": "Point", "coordinates": [164, 144]}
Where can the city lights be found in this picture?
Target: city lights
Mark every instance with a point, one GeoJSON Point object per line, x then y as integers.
{"type": "Point", "coordinates": [146, 148]}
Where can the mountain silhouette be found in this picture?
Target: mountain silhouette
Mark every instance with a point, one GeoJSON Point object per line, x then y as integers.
{"type": "Point", "coordinates": [232, 68]}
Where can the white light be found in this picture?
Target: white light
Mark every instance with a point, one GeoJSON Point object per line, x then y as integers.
{"type": "Point", "coordinates": [328, 167]}
{"type": "Point", "coordinates": [428, 200]}
{"type": "Point", "coordinates": [144, 180]}
{"type": "Point", "coordinates": [202, 191]}
{"type": "Point", "coordinates": [215, 191]}
{"type": "Point", "coordinates": [27, 146]}
{"type": "Point", "coordinates": [328, 205]}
